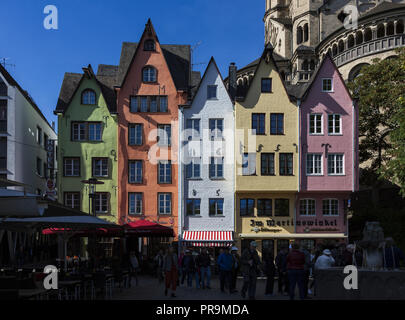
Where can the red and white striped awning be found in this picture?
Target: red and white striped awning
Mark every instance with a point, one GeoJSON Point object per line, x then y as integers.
{"type": "Point", "coordinates": [208, 238]}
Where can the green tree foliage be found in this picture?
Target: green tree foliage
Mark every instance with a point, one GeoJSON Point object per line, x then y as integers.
{"type": "Point", "coordinates": [380, 90]}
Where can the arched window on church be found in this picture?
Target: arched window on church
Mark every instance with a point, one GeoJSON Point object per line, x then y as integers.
{"type": "Point", "coordinates": [312, 65]}
{"type": "Point", "coordinates": [390, 28]}
{"type": "Point", "coordinates": [350, 41]}
{"type": "Point", "coordinates": [400, 27]}
{"type": "Point", "coordinates": [334, 50]}
{"type": "Point", "coordinates": [368, 35]}
{"type": "Point", "coordinates": [304, 65]}
{"type": "Point", "coordinates": [330, 52]}
{"type": "Point", "coordinates": [359, 37]}
{"type": "Point", "coordinates": [341, 46]}
{"type": "Point", "coordinates": [380, 30]}
{"type": "Point", "coordinates": [299, 35]}
{"type": "Point", "coordinates": [306, 36]}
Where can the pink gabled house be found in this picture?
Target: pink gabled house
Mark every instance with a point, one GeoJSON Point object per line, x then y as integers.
{"type": "Point", "coordinates": [329, 155]}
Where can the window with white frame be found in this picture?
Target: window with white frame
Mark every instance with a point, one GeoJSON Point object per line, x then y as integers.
{"type": "Point", "coordinates": [335, 164]}
{"type": "Point", "coordinates": [163, 104]}
{"type": "Point", "coordinates": [212, 92]}
{"type": "Point", "coordinates": [165, 203]}
{"type": "Point", "coordinates": [72, 200]}
{"type": "Point", "coordinates": [193, 128]}
{"type": "Point", "coordinates": [101, 202]}
{"type": "Point", "coordinates": [71, 167]}
{"type": "Point", "coordinates": [315, 123]}
{"type": "Point", "coordinates": [135, 134]}
{"type": "Point", "coordinates": [95, 131]}
{"type": "Point", "coordinates": [330, 207]}
{"type": "Point", "coordinates": [149, 74]}
{"type": "Point", "coordinates": [88, 97]}
{"type": "Point", "coordinates": [314, 164]}
{"type": "Point", "coordinates": [144, 104]}
{"type": "Point", "coordinates": [334, 124]}
{"type": "Point", "coordinates": [165, 172]}
{"type": "Point", "coordinates": [307, 207]}
{"type": "Point", "coordinates": [216, 207]}
{"type": "Point", "coordinates": [135, 200]}
{"type": "Point", "coordinates": [193, 169]}
{"type": "Point", "coordinates": [327, 85]}
{"type": "Point", "coordinates": [216, 168]}
{"type": "Point", "coordinates": [135, 171]}
{"type": "Point", "coordinates": [133, 105]}
{"type": "Point", "coordinates": [193, 207]}
{"type": "Point", "coordinates": [216, 128]}
{"type": "Point", "coordinates": [164, 135]}
{"type": "Point", "coordinates": [100, 167]}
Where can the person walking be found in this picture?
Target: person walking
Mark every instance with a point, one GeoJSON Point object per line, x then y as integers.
{"type": "Point", "coordinates": [295, 270]}
{"type": "Point", "coordinates": [325, 260]}
{"type": "Point", "coordinates": [170, 268]}
{"type": "Point", "coordinates": [281, 263]}
{"type": "Point", "coordinates": [307, 270]}
{"type": "Point", "coordinates": [269, 270]}
{"type": "Point", "coordinates": [235, 268]}
{"type": "Point", "coordinates": [225, 262]}
{"type": "Point", "coordinates": [188, 265]}
{"type": "Point", "coordinates": [250, 263]}
{"type": "Point", "coordinates": [159, 265]}
{"type": "Point", "coordinates": [196, 273]}
{"type": "Point", "coordinates": [133, 267]}
{"type": "Point", "coordinates": [204, 263]}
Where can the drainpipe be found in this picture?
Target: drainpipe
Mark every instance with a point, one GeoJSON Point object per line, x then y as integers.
{"type": "Point", "coordinates": [353, 146]}
{"type": "Point", "coordinates": [299, 164]}
{"type": "Point", "coordinates": [180, 187]}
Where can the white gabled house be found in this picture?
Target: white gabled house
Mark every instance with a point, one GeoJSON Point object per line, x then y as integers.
{"type": "Point", "coordinates": [206, 159]}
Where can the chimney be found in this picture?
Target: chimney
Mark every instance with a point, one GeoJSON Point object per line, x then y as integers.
{"type": "Point", "coordinates": [53, 125]}
{"type": "Point", "coordinates": [232, 81]}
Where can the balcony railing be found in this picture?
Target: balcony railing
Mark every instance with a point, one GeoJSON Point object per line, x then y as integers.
{"type": "Point", "coordinates": [370, 47]}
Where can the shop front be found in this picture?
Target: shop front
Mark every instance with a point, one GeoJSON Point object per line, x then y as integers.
{"type": "Point", "coordinates": [275, 233]}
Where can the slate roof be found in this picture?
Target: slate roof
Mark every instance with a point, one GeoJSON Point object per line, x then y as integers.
{"type": "Point", "coordinates": [382, 7]}
{"type": "Point", "coordinates": [12, 82]}
{"type": "Point", "coordinates": [177, 58]}
{"type": "Point", "coordinates": [109, 76]}
{"type": "Point", "coordinates": [106, 78]}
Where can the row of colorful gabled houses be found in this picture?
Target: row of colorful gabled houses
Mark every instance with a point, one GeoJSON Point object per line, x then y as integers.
{"type": "Point", "coordinates": [183, 151]}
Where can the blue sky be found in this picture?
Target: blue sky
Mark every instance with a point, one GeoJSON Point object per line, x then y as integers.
{"type": "Point", "coordinates": [91, 31]}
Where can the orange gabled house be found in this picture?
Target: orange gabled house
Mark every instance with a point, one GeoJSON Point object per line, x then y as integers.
{"type": "Point", "coordinates": [153, 80]}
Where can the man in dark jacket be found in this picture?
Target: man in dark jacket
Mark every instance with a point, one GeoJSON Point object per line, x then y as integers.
{"type": "Point", "coordinates": [188, 265]}
{"type": "Point", "coordinates": [281, 263]}
{"type": "Point", "coordinates": [250, 263]}
{"type": "Point", "coordinates": [235, 268]}
{"type": "Point", "coordinates": [204, 263]}
{"type": "Point", "coordinates": [225, 262]}
{"type": "Point", "coordinates": [295, 269]}
{"type": "Point", "coordinates": [269, 270]}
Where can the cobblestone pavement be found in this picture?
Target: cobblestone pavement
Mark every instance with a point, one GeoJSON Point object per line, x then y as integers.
{"type": "Point", "coordinates": [149, 288]}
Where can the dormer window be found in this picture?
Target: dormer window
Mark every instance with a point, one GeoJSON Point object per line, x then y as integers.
{"type": "Point", "coordinates": [88, 97]}
{"type": "Point", "coordinates": [149, 45]}
{"type": "Point", "coordinates": [149, 74]}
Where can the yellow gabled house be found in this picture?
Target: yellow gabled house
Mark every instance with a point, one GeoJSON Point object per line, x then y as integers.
{"type": "Point", "coordinates": [267, 160]}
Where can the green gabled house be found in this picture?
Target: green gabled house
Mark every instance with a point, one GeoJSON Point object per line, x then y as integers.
{"type": "Point", "coordinates": [87, 140]}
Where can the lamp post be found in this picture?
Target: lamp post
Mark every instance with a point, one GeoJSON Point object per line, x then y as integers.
{"type": "Point", "coordinates": [92, 182]}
